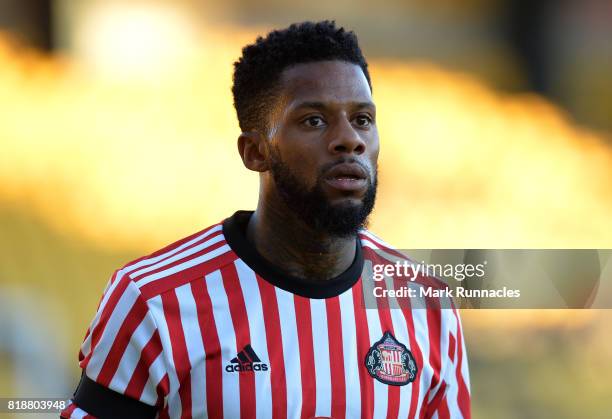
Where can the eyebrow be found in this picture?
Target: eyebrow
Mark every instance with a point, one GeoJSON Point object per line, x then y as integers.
{"type": "Point", "coordinates": [321, 105]}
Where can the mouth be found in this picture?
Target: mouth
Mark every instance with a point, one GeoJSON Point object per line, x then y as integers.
{"type": "Point", "coordinates": [347, 177]}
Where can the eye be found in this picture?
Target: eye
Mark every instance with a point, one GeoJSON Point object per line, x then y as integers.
{"type": "Point", "coordinates": [363, 121]}
{"type": "Point", "coordinates": [314, 122]}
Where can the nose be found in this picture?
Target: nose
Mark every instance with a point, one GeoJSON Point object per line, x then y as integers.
{"type": "Point", "coordinates": [346, 139]}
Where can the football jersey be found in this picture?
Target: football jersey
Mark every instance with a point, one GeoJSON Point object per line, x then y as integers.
{"type": "Point", "coordinates": [207, 327]}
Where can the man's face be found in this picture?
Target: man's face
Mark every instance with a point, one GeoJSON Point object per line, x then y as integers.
{"type": "Point", "coordinates": [324, 145]}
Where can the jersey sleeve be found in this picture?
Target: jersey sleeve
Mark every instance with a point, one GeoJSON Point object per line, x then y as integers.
{"type": "Point", "coordinates": [451, 398]}
{"type": "Point", "coordinates": [123, 367]}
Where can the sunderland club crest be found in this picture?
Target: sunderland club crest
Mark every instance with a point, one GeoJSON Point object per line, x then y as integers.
{"type": "Point", "coordinates": [390, 362]}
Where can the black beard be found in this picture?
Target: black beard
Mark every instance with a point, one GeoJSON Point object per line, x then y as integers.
{"type": "Point", "coordinates": [313, 207]}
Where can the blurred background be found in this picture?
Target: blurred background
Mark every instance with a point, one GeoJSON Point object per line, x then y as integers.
{"type": "Point", "coordinates": [118, 136]}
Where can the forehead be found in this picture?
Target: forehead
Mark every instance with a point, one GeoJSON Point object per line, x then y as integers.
{"type": "Point", "coordinates": [324, 81]}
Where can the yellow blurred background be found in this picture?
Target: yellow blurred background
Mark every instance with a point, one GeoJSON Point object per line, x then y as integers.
{"type": "Point", "coordinates": [122, 139]}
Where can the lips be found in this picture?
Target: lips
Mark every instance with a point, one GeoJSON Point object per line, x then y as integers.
{"type": "Point", "coordinates": [347, 177]}
{"type": "Point", "coordinates": [347, 170]}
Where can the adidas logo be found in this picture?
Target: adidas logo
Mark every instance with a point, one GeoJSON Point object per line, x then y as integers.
{"type": "Point", "coordinates": [246, 360]}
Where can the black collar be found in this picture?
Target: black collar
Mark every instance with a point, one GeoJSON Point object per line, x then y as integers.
{"type": "Point", "coordinates": [234, 229]}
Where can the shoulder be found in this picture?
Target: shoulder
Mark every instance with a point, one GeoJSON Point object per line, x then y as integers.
{"type": "Point", "coordinates": [178, 263]}
{"type": "Point", "coordinates": [380, 253]}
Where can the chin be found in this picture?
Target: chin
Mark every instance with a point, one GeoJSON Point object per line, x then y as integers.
{"type": "Point", "coordinates": [346, 203]}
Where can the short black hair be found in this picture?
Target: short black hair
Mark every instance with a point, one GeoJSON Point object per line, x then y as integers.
{"type": "Point", "coordinates": [257, 72]}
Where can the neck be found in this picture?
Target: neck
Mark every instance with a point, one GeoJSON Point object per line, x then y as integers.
{"type": "Point", "coordinates": [293, 247]}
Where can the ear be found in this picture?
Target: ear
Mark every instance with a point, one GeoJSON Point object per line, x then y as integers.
{"type": "Point", "coordinates": [253, 150]}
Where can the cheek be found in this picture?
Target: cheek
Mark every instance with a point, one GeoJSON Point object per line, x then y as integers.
{"type": "Point", "coordinates": [303, 166]}
{"type": "Point", "coordinates": [373, 151]}
{"type": "Point", "coordinates": [299, 153]}
{"type": "Point", "coordinates": [374, 141]}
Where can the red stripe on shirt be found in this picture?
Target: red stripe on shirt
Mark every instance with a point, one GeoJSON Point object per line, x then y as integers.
{"type": "Point", "coordinates": [393, 395]}
{"type": "Point", "coordinates": [96, 333]}
{"type": "Point", "coordinates": [133, 319]}
{"type": "Point", "coordinates": [81, 354]}
{"type": "Point", "coordinates": [336, 357]}
{"type": "Point", "coordinates": [433, 406]}
{"type": "Point", "coordinates": [185, 276]}
{"type": "Point", "coordinates": [363, 345]}
{"type": "Point", "coordinates": [238, 313]}
{"type": "Point", "coordinates": [169, 249]}
{"type": "Point", "coordinates": [381, 246]}
{"type": "Point", "coordinates": [141, 373]}
{"type": "Point", "coordinates": [434, 322]}
{"type": "Point", "coordinates": [275, 348]}
{"type": "Point", "coordinates": [179, 349]}
{"type": "Point", "coordinates": [418, 358]}
{"type": "Point", "coordinates": [162, 389]}
{"type": "Point", "coordinates": [164, 414]}
{"type": "Point", "coordinates": [212, 347]}
{"type": "Point", "coordinates": [185, 257]}
{"type": "Point", "coordinates": [463, 395]}
{"type": "Point", "coordinates": [137, 277]}
{"type": "Point", "coordinates": [304, 321]}
{"type": "Point", "coordinates": [443, 412]}
{"type": "Point", "coordinates": [67, 412]}
{"type": "Point", "coordinates": [451, 347]}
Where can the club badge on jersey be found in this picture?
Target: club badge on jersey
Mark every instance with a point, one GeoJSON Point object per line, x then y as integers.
{"type": "Point", "coordinates": [390, 362]}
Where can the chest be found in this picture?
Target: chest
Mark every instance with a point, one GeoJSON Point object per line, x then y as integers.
{"type": "Point", "coordinates": [264, 352]}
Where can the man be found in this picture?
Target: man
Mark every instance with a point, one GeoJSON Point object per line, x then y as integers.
{"type": "Point", "coordinates": [262, 315]}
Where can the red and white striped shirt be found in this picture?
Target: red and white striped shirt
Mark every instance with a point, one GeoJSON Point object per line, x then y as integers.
{"type": "Point", "coordinates": [208, 328]}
